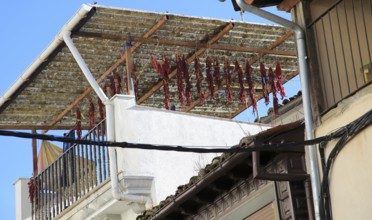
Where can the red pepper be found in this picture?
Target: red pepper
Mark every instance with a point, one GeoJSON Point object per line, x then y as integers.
{"type": "Point", "coordinates": [227, 71]}
{"type": "Point", "coordinates": [208, 63]}
{"type": "Point", "coordinates": [272, 83]}
{"type": "Point", "coordinates": [179, 75]}
{"type": "Point", "coordinates": [248, 77]}
{"type": "Point", "coordinates": [264, 82]}
{"type": "Point", "coordinates": [242, 94]}
{"type": "Point", "coordinates": [78, 123]}
{"type": "Point", "coordinates": [199, 79]}
{"type": "Point", "coordinates": [279, 83]}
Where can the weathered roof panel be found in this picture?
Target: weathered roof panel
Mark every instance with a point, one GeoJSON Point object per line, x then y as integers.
{"type": "Point", "coordinates": [58, 82]}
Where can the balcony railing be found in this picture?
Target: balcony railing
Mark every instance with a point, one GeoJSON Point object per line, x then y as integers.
{"type": "Point", "coordinates": [343, 41]}
{"type": "Point", "coordinates": [74, 174]}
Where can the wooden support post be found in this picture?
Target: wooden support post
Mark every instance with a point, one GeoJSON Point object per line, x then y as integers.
{"type": "Point", "coordinates": [34, 155]}
{"type": "Point", "coordinates": [129, 67]}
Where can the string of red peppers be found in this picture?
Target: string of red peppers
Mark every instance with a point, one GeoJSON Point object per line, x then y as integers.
{"type": "Point", "coordinates": [265, 93]}
{"type": "Point", "coordinates": [91, 113]}
{"type": "Point", "coordinates": [186, 76]}
{"type": "Point", "coordinates": [208, 64]}
{"type": "Point", "coordinates": [217, 74]}
{"type": "Point", "coordinates": [242, 94]}
{"type": "Point", "coordinates": [163, 70]}
{"type": "Point", "coordinates": [272, 83]}
{"type": "Point", "coordinates": [227, 71]}
{"type": "Point", "coordinates": [279, 83]}
{"type": "Point", "coordinates": [199, 79]}
{"type": "Point", "coordinates": [118, 83]}
{"type": "Point", "coordinates": [78, 123]}
{"type": "Point", "coordinates": [251, 89]}
{"type": "Point", "coordinates": [179, 76]}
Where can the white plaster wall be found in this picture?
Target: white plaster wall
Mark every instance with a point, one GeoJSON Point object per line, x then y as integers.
{"type": "Point", "coordinates": [23, 205]}
{"type": "Point", "coordinates": [136, 124]}
{"type": "Point", "coordinates": [351, 173]}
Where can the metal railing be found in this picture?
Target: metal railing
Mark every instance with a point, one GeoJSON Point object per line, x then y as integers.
{"type": "Point", "coordinates": [75, 173]}
{"type": "Point", "coordinates": [343, 43]}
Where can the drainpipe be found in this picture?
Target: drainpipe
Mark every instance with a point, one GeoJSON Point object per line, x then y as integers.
{"type": "Point", "coordinates": [110, 124]}
{"type": "Point", "coordinates": [304, 76]}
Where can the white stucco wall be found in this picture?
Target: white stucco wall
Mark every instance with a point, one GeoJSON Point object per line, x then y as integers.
{"type": "Point", "coordinates": [23, 205]}
{"type": "Point", "coordinates": [136, 124]}
{"type": "Point", "coordinates": [351, 173]}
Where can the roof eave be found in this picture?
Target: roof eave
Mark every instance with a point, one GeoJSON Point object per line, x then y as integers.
{"type": "Point", "coordinates": [72, 24]}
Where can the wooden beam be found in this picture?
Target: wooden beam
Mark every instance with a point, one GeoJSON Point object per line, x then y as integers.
{"type": "Point", "coordinates": [103, 76]}
{"type": "Point", "coordinates": [34, 155]}
{"type": "Point", "coordinates": [241, 109]}
{"type": "Point", "coordinates": [287, 5]}
{"type": "Point", "coordinates": [251, 61]}
{"type": "Point", "coordinates": [189, 44]}
{"type": "Point", "coordinates": [220, 34]}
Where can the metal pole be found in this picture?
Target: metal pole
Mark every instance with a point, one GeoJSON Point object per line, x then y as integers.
{"type": "Point", "coordinates": [304, 76]}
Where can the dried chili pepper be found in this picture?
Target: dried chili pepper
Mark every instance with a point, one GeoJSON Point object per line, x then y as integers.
{"type": "Point", "coordinates": [251, 89]}
{"type": "Point", "coordinates": [264, 82]}
{"type": "Point", "coordinates": [179, 76]}
{"type": "Point", "coordinates": [199, 79]}
{"type": "Point", "coordinates": [31, 190]}
{"type": "Point", "coordinates": [118, 82]}
{"type": "Point", "coordinates": [208, 64]}
{"type": "Point", "coordinates": [163, 70]}
{"type": "Point", "coordinates": [91, 113]}
{"type": "Point", "coordinates": [242, 94]}
{"type": "Point", "coordinates": [112, 85]}
{"type": "Point", "coordinates": [104, 87]}
{"type": "Point", "coordinates": [186, 76]}
{"type": "Point", "coordinates": [217, 73]}
{"type": "Point", "coordinates": [228, 78]}
{"type": "Point", "coordinates": [101, 110]}
{"type": "Point", "coordinates": [273, 88]}
{"type": "Point", "coordinates": [78, 123]}
{"type": "Point", "coordinates": [279, 83]}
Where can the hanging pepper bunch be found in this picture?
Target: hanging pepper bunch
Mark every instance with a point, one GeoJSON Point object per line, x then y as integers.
{"type": "Point", "coordinates": [100, 109]}
{"type": "Point", "coordinates": [163, 70]}
{"type": "Point", "coordinates": [208, 63]}
{"type": "Point", "coordinates": [104, 87]}
{"type": "Point", "coordinates": [199, 79]}
{"type": "Point", "coordinates": [228, 78]}
{"type": "Point", "coordinates": [186, 76]}
{"type": "Point", "coordinates": [78, 123]}
{"type": "Point", "coordinates": [91, 113]}
{"type": "Point", "coordinates": [242, 94]}
{"type": "Point", "coordinates": [135, 79]}
{"type": "Point", "coordinates": [265, 93]}
{"type": "Point", "coordinates": [273, 90]}
{"type": "Point", "coordinates": [118, 82]}
{"type": "Point", "coordinates": [248, 77]}
{"type": "Point", "coordinates": [179, 76]}
{"type": "Point", "coordinates": [112, 85]}
{"type": "Point", "coordinates": [217, 73]}
{"type": "Point", "coordinates": [279, 83]}
{"type": "Point", "coordinates": [32, 195]}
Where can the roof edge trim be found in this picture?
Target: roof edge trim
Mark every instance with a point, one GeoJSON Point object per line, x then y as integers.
{"type": "Point", "coordinates": [69, 26]}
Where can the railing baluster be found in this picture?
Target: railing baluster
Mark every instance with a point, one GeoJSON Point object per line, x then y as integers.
{"type": "Point", "coordinates": [71, 176]}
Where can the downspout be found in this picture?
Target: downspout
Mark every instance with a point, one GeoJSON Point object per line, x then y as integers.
{"type": "Point", "coordinates": [304, 76]}
{"type": "Point", "coordinates": [110, 124]}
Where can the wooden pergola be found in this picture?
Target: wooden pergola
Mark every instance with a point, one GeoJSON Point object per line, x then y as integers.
{"type": "Point", "coordinates": [48, 98]}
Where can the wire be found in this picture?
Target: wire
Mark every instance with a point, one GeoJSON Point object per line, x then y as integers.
{"type": "Point", "coordinates": [196, 149]}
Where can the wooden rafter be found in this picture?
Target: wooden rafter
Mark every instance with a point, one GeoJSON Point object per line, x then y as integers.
{"type": "Point", "coordinates": [251, 61]}
{"type": "Point", "coordinates": [200, 51]}
{"type": "Point", "coordinates": [287, 5]}
{"type": "Point", "coordinates": [241, 109]}
{"type": "Point", "coordinates": [160, 23]}
{"type": "Point", "coordinates": [188, 44]}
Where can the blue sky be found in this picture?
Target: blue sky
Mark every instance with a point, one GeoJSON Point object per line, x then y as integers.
{"type": "Point", "coordinates": [28, 27]}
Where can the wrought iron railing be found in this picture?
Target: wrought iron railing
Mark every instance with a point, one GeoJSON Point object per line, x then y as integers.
{"type": "Point", "coordinates": [343, 41]}
{"type": "Point", "coordinates": [74, 174]}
